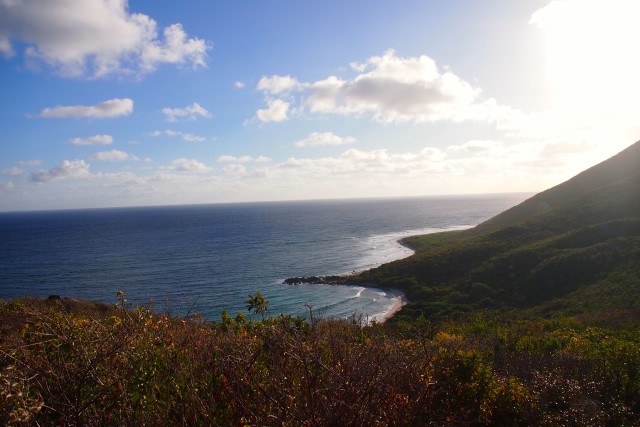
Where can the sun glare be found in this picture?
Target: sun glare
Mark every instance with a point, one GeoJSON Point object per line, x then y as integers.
{"type": "Point", "coordinates": [592, 56]}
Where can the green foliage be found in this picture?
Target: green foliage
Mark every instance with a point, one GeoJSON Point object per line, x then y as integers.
{"type": "Point", "coordinates": [573, 247]}
{"type": "Point", "coordinates": [430, 241]}
{"type": "Point", "coordinates": [577, 253]}
{"type": "Point", "coordinates": [257, 303]}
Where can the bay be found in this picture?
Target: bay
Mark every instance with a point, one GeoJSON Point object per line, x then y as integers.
{"type": "Point", "coordinates": [209, 258]}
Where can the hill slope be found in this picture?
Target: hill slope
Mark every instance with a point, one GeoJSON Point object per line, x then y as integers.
{"type": "Point", "coordinates": [574, 247]}
{"type": "Point", "coordinates": [615, 169]}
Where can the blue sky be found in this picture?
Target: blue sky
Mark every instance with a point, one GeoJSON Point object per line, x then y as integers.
{"type": "Point", "coordinates": [116, 103]}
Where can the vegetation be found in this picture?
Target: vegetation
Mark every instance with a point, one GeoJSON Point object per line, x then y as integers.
{"type": "Point", "coordinates": [532, 318]}
{"type": "Point", "coordinates": [71, 363]}
{"type": "Point", "coordinates": [569, 250]}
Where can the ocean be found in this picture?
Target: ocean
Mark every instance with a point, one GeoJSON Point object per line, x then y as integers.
{"type": "Point", "coordinates": [209, 258]}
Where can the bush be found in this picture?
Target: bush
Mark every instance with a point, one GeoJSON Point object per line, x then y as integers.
{"type": "Point", "coordinates": [130, 366]}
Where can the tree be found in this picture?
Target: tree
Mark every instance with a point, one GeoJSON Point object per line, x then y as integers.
{"type": "Point", "coordinates": [257, 304]}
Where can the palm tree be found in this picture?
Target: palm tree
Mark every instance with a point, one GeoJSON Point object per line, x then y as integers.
{"type": "Point", "coordinates": [257, 304]}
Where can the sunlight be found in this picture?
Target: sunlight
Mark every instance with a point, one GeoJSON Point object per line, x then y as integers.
{"type": "Point", "coordinates": [593, 64]}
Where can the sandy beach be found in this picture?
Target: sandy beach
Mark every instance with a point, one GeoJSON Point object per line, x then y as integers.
{"type": "Point", "coordinates": [400, 300]}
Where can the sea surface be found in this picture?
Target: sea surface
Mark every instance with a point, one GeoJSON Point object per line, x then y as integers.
{"type": "Point", "coordinates": [208, 258]}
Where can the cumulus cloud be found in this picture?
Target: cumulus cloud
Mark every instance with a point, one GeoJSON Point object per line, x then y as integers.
{"type": "Point", "coordinates": [93, 140]}
{"type": "Point", "coordinates": [113, 156]}
{"type": "Point", "coordinates": [239, 85]}
{"type": "Point", "coordinates": [188, 137]}
{"type": "Point", "coordinates": [14, 171]}
{"type": "Point", "coordinates": [94, 38]}
{"type": "Point", "coordinates": [476, 147]}
{"type": "Point", "coordinates": [190, 112]}
{"type": "Point", "coordinates": [243, 159]}
{"type": "Point", "coordinates": [429, 170]}
{"type": "Point", "coordinates": [66, 169]}
{"type": "Point", "coordinates": [234, 169]}
{"type": "Point", "coordinates": [17, 170]}
{"type": "Point", "coordinates": [192, 138]}
{"type": "Point", "coordinates": [277, 111]}
{"type": "Point", "coordinates": [29, 163]}
{"type": "Point", "coordinates": [325, 138]}
{"type": "Point", "coordinates": [387, 88]}
{"type": "Point", "coordinates": [278, 84]}
{"type": "Point", "coordinates": [111, 108]}
{"type": "Point", "coordinates": [357, 162]}
{"type": "Point", "coordinates": [189, 165]}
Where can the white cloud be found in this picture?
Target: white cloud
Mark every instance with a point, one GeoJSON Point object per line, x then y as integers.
{"type": "Point", "coordinates": [234, 169]}
{"type": "Point", "coordinates": [469, 167]}
{"type": "Point", "coordinates": [176, 49]}
{"type": "Point", "coordinates": [66, 169]}
{"type": "Point", "coordinates": [239, 85]}
{"type": "Point", "coordinates": [278, 84]}
{"type": "Point", "coordinates": [14, 171]}
{"type": "Point", "coordinates": [325, 138]}
{"type": "Point", "coordinates": [359, 162]}
{"type": "Point", "coordinates": [243, 159]}
{"type": "Point", "coordinates": [17, 170]}
{"type": "Point", "coordinates": [113, 156]}
{"type": "Point", "coordinates": [358, 67]}
{"type": "Point", "coordinates": [189, 165]}
{"type": "Point", "coordinates": [93, 140]}
{"type": "Point", "coordinates": [5, 46]}
{"type": "Point", "coordinates": [95, 38]}
{"type": "Point", "coordinates": [188, 137]}
{"type": "Point", "coordinates": [111, 108]}
{"type": "Point", "coordinates": [192, 138]}
{"type": "Point", "coordinates": [29, 163]}
{"type": "Point", "coordinates": [228, 158]}
{"type": "Point", "coordinates": [190, 112]}
{"type": "Point", "coordinates": [476, 147]}
{"type": "Point", "coordinates": [387, 88]}
{"type": "Point", "coordinates": [277, 111]}
{"type": "Point", "coordinates": [518, 166]}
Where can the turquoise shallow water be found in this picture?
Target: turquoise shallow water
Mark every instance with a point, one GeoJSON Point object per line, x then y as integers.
{"type": "Point", "coordinates": [208, 258]}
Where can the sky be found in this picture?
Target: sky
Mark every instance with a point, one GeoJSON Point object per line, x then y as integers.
{"type": "Point", "coordinates": [109, 103]}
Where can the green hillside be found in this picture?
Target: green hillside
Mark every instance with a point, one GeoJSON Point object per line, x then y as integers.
{"type": "Point", "coordinates": [620, 167]}
{"type": "Point", "coordinates": [572, 248]}
{"type": "Point", "coordinates": [532, 318]}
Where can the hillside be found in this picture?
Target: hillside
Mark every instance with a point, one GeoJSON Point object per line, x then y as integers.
{"type": "Point", "coordinates": [571, 248]}
{"type": "Point", "coordinates": [531, 318]}
{"type": "Point", "coordinates": [620, 167]}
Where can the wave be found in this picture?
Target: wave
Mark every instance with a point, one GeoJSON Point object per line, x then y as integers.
{"type": "Point", "coordinates": [222, 253]}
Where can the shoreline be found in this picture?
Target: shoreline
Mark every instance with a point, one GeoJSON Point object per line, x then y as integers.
{"type": "Point", "coordinates": [400, 300]}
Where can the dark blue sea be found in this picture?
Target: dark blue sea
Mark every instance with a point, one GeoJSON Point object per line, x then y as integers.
{"type": "Point", "coordinates": [207, 258]}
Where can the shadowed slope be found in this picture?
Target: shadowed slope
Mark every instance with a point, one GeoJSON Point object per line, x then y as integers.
{"type": "Point", "coordinates": [618, 167]}
{"type": "Point", "coordinates": [575, 243]}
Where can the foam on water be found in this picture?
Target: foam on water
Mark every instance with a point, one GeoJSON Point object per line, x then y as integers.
{"type": "Point", "coordinates": [211, 257]}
